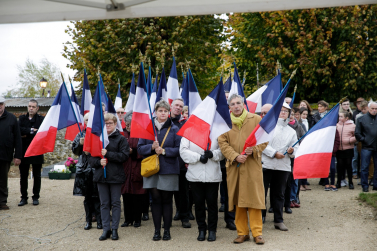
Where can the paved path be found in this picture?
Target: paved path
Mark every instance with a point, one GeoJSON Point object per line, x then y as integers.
{"type": "Point", "coordinates": [325, 221]}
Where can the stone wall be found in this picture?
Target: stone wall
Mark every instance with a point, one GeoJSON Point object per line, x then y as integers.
{"type": "Point", "coordinates": [63, 150]}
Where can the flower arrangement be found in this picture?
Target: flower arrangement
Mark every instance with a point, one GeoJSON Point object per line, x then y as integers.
{"type": "Point", "coordinates": [62, 171]}
{"type": "Point", "coordinates": [71, 164]}
{"type": "Point", "coordinates": [64, 174]}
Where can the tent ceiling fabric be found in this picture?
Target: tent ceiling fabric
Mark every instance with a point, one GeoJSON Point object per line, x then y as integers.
{"type": "Point", "coordinates": [24, 11]}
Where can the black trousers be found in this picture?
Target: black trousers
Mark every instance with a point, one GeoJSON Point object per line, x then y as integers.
{"type": "Point", "coordinates": [24, 174]}
{"type": "Point", "coordinates": [92, 205]}
{"type": "Point", "coordinates": [205, 193]}
{"type": "Point", "coordinates": [277, 180]}
{"type": "Point", "coordinates": [4, 170]}
{"type": "Point", "coordinates": [181, 197]}
{"type": "Point", "coordinates": [228, 216]}
{"type": "Point", "coordinates": [344, 164]}
{"type": "Point", "coordinates": [134, 205]}
{"type": "Point", "coordinates": [162, 207]}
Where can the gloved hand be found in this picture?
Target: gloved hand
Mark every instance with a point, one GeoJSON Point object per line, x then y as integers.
{"type": "Point", "coordinates": [209, 154]}
{"type": "Point", "coordinates": [203, 159]}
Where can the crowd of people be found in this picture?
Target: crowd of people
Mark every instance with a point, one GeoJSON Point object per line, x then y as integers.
{"type": "Point", "coordinates": [194, 176]}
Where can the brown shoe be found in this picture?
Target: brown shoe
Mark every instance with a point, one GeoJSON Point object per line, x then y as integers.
{"type": "Point", "coordinates": [4, 207]}
{"type": "Point", "coordinates": [259, 240]}
{"type": "Point", "coordinates": [241, 239]}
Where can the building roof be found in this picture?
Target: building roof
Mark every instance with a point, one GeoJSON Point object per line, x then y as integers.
{"type": "Point", "coordinates": [23, 102]}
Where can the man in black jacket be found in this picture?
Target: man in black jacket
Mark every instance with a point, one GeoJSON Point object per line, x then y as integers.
{"type": "Point", "coordinates": [29, 125]}
{"type": "Point", "coordinates": [10, 148]}
{"type": "Point", "coordinates": [366, 133]}
{"type": "Point", "coordinates": [182, 196]}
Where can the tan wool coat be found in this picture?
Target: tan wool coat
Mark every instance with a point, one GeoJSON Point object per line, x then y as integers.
{"type": "Point", "coordinates": [245, 183]}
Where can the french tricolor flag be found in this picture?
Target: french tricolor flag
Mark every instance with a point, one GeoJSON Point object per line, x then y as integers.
{"type": "Point", "coordinates": [172, 85]}
{"type": "Point", "coordinates": [162, 90]}
{"type": "Point", "coordinates": [313, 157]}
{"type": "Point", "coordinates": [183, 83]}
{"type": "Point", "coordinates": [267, 94]}
{"type": "Point", "coordinates": [118, 99]}
{"type": "Point", "coordinates": [141, 123]}
{"type": "Point", "coordinates": [96, 137]}
{"type": "Point", "coordinates": [152, 100]}
{"type": "Point", "coordinates": [228, 84]}
{"type": "Point", "coordinates": [236, 86]}
{"type": "Point", "coordinates": [209, 120]}
{"type": "Point", "coordinates": [131, 96]}
{"type": "Point", "coordinates": [73, 130]}
{"type": "Point", "coordinates": [59, 116]}
{"type": "Point", "coordinates": [264, 131]}
{"type": "Point", "coordinates": [86, 96]}
{"type": "Point", "coordinates": [190, 93]}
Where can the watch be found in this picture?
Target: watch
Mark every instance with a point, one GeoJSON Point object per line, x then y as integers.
{"type": "Point", "coordinates": [163, 151]}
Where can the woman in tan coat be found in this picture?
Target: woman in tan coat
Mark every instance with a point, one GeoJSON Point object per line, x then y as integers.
{"type": "Point", "coordinates": [245, 183]}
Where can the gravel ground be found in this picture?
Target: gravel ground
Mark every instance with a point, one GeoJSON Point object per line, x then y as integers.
{"type": "Point", "coordinates": [325, 221]}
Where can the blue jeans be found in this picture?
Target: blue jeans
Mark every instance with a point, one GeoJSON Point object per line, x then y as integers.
{"type": "Point", "coordinates": [365, 160]}
{"type": "Point", "coordinates": [355, 160]}
{"type": "Point", "coordinates": [332, 172]}
{"type": "Point", "coordinates": [294, 188]}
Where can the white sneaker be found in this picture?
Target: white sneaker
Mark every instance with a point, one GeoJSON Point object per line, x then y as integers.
{"type": "Point", "coordinates": [343, 183]}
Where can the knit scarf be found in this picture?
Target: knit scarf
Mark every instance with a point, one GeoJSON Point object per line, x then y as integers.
{"type": "Point", "coordinates": [238, 121]}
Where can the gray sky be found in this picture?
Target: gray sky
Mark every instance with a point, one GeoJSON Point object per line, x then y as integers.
{"type": "Point", "coordinates": [35, 41]}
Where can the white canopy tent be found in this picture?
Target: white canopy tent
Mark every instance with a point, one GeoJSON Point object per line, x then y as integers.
{"type": "Point", "coordinates": [25, 11]}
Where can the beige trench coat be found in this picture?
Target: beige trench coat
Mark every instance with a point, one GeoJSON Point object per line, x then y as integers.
{"type": "Point", "coordinates": [245, 183]}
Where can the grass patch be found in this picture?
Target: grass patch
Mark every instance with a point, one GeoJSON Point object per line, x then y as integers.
{"type": "Point", "coordinates": [369, 198]}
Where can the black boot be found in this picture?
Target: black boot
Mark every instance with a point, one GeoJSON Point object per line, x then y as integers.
{"type": "Point", "coordinates": [201, 236]}
{"type": "Point", "coordinates": [114, 234]}
{"type": "Point", "coordinates": [157, 235]}
{"type": "Point", "coordinates": [191, 216]}
{"type": "Point", "coordinates": [211, 236]}
{"type": "Point", "coordinates": [176, 216]}
{"type": "Point", "coordinates": [166, 236]}
{"type": "Point", "coordinates": [105, 235]}
{"type": "Point", "coordinates": [88, 226]}
{"type": "Point", "coordinates": [145, 217]}
{"type": "Point", "coordinates": [22, 202]}
{"type": "Point", "coordinates": [99, 224]}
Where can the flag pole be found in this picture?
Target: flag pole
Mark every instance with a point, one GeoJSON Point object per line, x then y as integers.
{"type": "Point", "coordinates": [70, 101]}
{"type": "Point", "coordinates": [294, 95]}
{"type": "Point", "coordinates": [103, 136]}
{"type": "Point", "coordinates": [317, 123]}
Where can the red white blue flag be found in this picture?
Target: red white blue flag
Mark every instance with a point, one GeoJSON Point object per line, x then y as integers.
{"type": "Point", "coordinates": [236, 86]}
{"type": "Point", "coordinates": [131, 96]}
{"type": "Point", "coordinates": [190, 93]}
{"type": "Point", "coordinates": [73, 130]}
{"type": "Point", "coordinates": [141, 123]}
{"type": "Point", "coordinates": [153, 100]}
{"type": "Point", "coordinates": [118, 99]}
{"type": "Point", "coordinates": [172, 85]}
{"type": "Point", "coordinates": [264, 131]}
{"type": "Point", "coordinates": [162, 89]}
{"type": "Point", "coordinates": [86, 96]}
{"type": "Point", "coordinates": [59, 116]}
{"type": "Point", "coordinates": [209, 120]}
{"type": "Point", "coordinates": [313, 157]}
{"type": "Point", "coordinates": [96, 137]}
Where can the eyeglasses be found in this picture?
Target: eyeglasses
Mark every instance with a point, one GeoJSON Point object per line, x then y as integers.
{"type": "Point", "coordinates": [109, 123]}
{"type": "Point", "coordinates": [284, 111]}
{"type": "Point", "coordinates": [120, 112]}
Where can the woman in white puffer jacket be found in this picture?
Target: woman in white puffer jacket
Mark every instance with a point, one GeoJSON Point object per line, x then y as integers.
{"type": "Point", "coordinates": [204, 175]}
{"type": "Point", "coordinates": [277, 166]}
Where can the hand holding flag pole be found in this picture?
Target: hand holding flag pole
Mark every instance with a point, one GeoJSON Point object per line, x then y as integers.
{"type": "Point", "coordinates": [298, 141]}
{"type": "Point", "coordinates": [70, 101]}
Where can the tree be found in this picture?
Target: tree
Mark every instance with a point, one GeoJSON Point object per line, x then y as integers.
{"type": "Point", "coordinates": [334, 49]}
{"type": "Point", "coordinates": [29, 76]}
{"type": "Point", "coordinates": [114, 45]}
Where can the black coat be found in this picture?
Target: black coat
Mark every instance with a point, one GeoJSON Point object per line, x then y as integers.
{"type": "Point", "coordinates": [117, 152]}
{"type": "Point", "coordinates": [84, 185]}
{"type": "Point", "coordinates": [366, 131]}
{"type": "Point", "coordinates": [169, 163]}
{"type": "Point", "coordinates": [179, 123]}
{"type": "Point", "coordinates": [10, 137]}
{"type": "Point", "coordinates": [27, 136]}
{"type": "Point", "coordinates": [314, 120]}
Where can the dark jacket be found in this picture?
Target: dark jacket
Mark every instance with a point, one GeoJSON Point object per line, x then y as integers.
{"type": "Point", "coordinates": [314, 120]}
{"type": "Point", "coordinates": [10, 137]}
{"type": "Point", "coordinates": [354, 114]}
{"type": "Point", "coordinates": [84, 185]}
{"type": "Point", "coordinates": [179, 122]}
{"type": "Point", "coordinates": [169, 163]}
{"type": "Point", "coordinates": [117, 153]}
{"type": "Point", "coordinates": [366, 131]}
{"type": "Point", "coordinates": [27, 136]}
{"type": "Point", "coordinates": [298, 128]}
{"type": "Point", "coordinates": [132, 169]}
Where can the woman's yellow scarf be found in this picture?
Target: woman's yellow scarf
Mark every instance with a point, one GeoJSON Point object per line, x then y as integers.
{"type": "Point", "coordinates": [238, 121]}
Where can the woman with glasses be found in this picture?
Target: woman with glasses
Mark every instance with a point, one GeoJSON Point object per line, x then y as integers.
{"type": "Point", "coordinates": [109, 188]}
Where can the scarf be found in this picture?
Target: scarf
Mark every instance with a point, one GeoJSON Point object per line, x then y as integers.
{"type": "Point", "coordinates": [292, 122]}
{"type": "Point", "coordinates": [322, 114]}
{"type": "Point", "coordinates": [238, 121]}
{"type": "Point", "coordinates": [158, 124]}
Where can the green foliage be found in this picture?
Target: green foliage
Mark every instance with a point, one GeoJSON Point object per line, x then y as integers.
{"type": "Point", "coordinates": [114, 45]}
{"type": "Point", "coordinates": [29, 76]}
{"type": "Point", "coordinates": [334, 49]}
